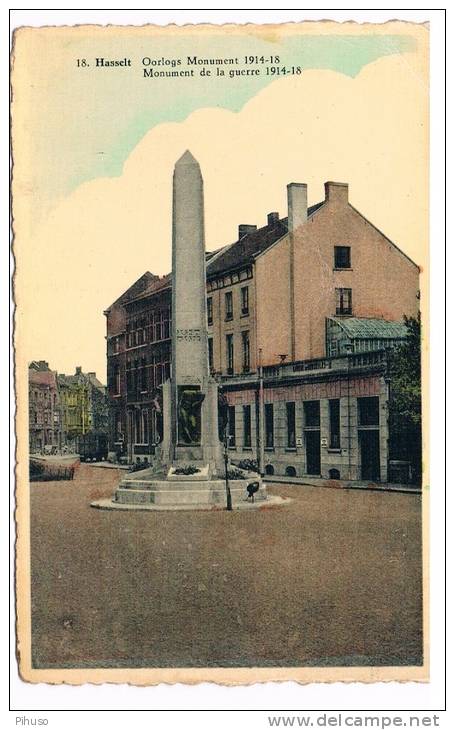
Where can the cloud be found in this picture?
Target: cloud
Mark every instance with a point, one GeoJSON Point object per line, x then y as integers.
{"type": "Point", "coordinates": [370, 131]}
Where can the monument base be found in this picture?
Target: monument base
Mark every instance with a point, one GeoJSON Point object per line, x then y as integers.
{"type": "Point", "coordinates": [147, 487]}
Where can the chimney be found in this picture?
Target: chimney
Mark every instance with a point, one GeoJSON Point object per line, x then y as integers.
{"type": "Point", "coordinates": [297, 205]}
{"type": "Point", "coordinates": [272, 218]}
{"type": "Point", "coordinates": [337, 192]}
{"type": "Point", "coordinates": [245, 228]}
{"type": "Point", "coordinates": [92, 374]}
{"type": "Point", "coordinates": [78, 370]}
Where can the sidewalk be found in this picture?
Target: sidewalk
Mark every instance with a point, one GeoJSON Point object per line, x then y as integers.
{"type": "Point", "coordinates": [108, 465]}
{"type": "Point", "coordinates": [344, 484]}
{"type": "Point", "coordinates": [55, 458]}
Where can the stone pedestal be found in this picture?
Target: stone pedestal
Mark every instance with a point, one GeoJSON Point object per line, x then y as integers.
{"type": "Point", "coordinates": [145, 488]}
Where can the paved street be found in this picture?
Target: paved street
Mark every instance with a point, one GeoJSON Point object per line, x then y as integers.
{"type": "Point", "coordinates": [331, 579]}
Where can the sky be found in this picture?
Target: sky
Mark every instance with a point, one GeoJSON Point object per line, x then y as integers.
{"type": "Point", "coordinates": [94, 150]}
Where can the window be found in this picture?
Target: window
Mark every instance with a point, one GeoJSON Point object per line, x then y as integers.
{"type": "Point", "coordinates": [247, 426]}
{"type": "Point", "coordinates": [268, 412]}
{"type": "Point", "coordinates": [244, 300]}
{"type": "Point", "coordinates": [166, 324]}
{"type": "Point", "coordinates": [290, 419]}
{"type": "Point", "coordinates": [368, 411]}
{"type": "Point", "coordinates": [209, 311]}
{"type": "Point", "coordinates": [334, 419]}
{"type": "Point", "coordinates": [158, 320]}
{"type": "Point", "coordinates": [157, 370]}
{"type": "Point", "coordinates": [312, 414]}
{"type": "Point", "coordinates": [143, 374]}
{"type": "Point", "coordinates": [210, 351]}
{"type": "Point", "coordinates": [230, 354]}
{"type": "Point", "coordinates": [166, 368]}
{"type": "Point", "coordinates": [344, 301]}
{"type": "Point", "coordinates": [231, 425]}
{"type": "Point", "coordinates": [137, 427]}
{"type": "Point", "coordinates": [246, 351]}
{"type": "Point", "coordinates": [145, 427]}
{"type": "Point", "coordinates": [117, 379]}
{"type": "Point", "coordinates": [342, 255]}
{"type": "Point", "coordinates": [129, 378]}
{"type": "Point", "coordinates": [118, 428]}
{"type": "Point", "coordinates": [228, 306]}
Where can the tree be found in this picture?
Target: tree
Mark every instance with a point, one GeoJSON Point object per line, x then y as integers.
{"type": "Point", "coordinates": [405, 403]}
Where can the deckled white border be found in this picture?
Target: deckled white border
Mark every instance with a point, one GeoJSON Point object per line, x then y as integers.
{"type": "Point", "coordinates": [280, 697]}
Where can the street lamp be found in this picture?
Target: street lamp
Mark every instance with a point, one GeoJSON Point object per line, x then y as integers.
{"type": "Point", "coordinates": [349, 351]}
{"type": "Point", "coordinates": [260, 439]}
{"type": "Point", "coordinates": [226, 458]}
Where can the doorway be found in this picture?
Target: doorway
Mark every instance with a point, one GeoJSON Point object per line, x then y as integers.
{"type": "Point", "coordinates": [370, 467]}
{"type": "Point", "coordinates": [313, 452]}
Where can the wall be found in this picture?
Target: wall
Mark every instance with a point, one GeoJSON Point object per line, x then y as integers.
{"type": "Point", "coordinates": [273, 302]}
{"type": "Point", "coordinates": [236, 326]}
{"type": "Point", "coordinates": [346, 459]}
{"type": "Point", "coordinates": [384, 282]}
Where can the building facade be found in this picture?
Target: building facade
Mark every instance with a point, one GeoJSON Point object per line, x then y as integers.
{"type": "Point", "coordinates": [84, 406]}
{"type": "Point", "coordinates": [300, 315]}
{"type": "Point", "coordinates": [45, 418]}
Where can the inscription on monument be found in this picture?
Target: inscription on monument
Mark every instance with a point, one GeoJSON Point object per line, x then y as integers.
{"type": "Point", "coordinates": [189, 335]}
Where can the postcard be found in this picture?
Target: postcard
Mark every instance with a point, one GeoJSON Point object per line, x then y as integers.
{"type": "Point", "coordinates": [221, 352]}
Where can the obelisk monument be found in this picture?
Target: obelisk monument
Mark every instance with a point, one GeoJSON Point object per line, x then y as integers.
{"type": "Point", "coordinates": [189, 469]}
{"type": "Point", "coordinates": [193, 394]}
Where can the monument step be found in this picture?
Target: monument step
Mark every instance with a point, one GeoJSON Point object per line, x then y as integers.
{"type": "Point", "coordinates": [213, 495]}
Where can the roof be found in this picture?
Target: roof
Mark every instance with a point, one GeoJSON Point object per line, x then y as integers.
{"type": "Point", "coordinates": [360, 328]}
{"type": "Point", "coordinates": [42, 377]}
{"type": "Point", "coordinates": [39, 365]}
{"type": "Point", "coordinates": [245, 250]}
{"type": "Point", "coordinates": [94, 381]}
{"type": "Point", "coordinates": [87, 378]}
{"type": "Point", "coordinates": [68, 379]}
{"type": "Point", "coordinates": [132, 291]}
{"type": "Point", "coordinates": [152, 288]}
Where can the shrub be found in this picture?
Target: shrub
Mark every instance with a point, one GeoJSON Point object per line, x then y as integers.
{"type": "Point", "coordinates": [139, 466]}
{"type": "Point", "coordinates": [236, 474]}
{"type": "Point", "coordinates": [248, 465]}
{"type": "Point", "coordinates": [186, 469]}
{"type": "Point", "coordinates": [41, 472]}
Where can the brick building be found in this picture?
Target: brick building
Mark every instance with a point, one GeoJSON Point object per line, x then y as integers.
{"type": "Point", "coordinates": [45, 422]}
{"type": "Point", "coordinates": [312, 301]}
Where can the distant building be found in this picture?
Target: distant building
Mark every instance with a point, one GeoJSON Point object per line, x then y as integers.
{"type": "Point", "coordinates": [313, 301]}
{"type": "Point", "coordinates": [45, 423]}
{"type": "Point", "coordinates": [83, 404]}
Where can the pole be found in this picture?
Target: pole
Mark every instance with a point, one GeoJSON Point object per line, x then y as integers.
{"type": "Point", "coordinates": [349, 350]}
{"type": "Point", "coordinates": [228, 491]}
{"type": "Point", "coordinates": [261, 417]}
